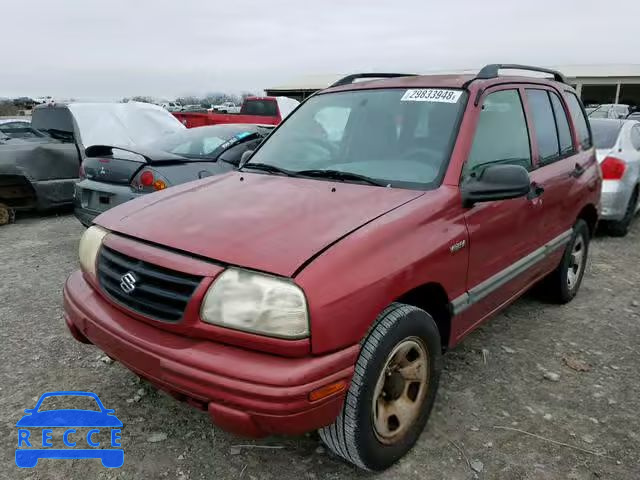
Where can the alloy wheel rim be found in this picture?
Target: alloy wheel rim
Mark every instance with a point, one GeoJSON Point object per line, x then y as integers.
{"type": "Point", "coordinates": [576, 262]}
{"type": "Point", "coordinates": [400, 390]}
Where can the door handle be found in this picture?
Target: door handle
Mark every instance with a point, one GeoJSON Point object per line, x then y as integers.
{"type": "Point", "coordinates": [577, 171]}
{"type": "Point", "coordinates": [536, 191]}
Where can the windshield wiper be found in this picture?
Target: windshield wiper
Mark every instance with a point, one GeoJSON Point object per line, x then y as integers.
{"type": "Point", "coordinates": [340, 175]}
{"type": "Point", "coordinates": [267, 167]}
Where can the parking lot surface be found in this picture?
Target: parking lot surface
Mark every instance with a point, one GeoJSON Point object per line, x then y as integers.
{"type": "Point", "coordinates": [539, 392]}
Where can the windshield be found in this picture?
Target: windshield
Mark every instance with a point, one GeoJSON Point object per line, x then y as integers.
{"type": "Point", "coordinates": [205, 142]}
{"type": "Point", "coordinates": [398, 137]}
{"type": "Point", "coordinates": [605, 132]}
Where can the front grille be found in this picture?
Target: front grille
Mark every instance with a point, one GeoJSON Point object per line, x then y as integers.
{"type": "Point", "coordinates": [158, 293]}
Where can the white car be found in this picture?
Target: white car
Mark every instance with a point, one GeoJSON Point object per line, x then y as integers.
{"type": "Point", "coordinates": [618, 150]}
{"type": "Point", "coordinates": [226, 107]}
{"type": "Point", "coordinates": [609, 110]}
{"type": "Point", "coordinates": [171, 106]}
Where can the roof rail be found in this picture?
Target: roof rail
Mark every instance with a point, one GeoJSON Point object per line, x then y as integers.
{"type": "Point", "coordinates": [492, 70]}
{"type": "Point", "coordinates": [356, 76]}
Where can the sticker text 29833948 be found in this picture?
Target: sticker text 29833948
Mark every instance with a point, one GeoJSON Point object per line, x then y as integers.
{"type": "Point", "coordinates": [431, 95]}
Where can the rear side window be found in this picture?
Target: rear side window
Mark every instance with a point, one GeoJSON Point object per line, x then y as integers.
{"type": "Point", "coordinates": [501, 135]}
{"type": "Point", "coordinates": [544, 125]}
{"type": "Point", "coordinates": [579, 120]}
{"type": "Point", "coordinates": [562, 125]}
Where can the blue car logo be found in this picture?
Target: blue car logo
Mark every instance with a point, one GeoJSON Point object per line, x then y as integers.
{"type": "Point", "coordinates": [78, 428]}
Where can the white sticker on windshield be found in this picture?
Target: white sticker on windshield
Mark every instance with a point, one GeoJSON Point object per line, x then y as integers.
{"type": "Point", "coordinates": [431, 95]}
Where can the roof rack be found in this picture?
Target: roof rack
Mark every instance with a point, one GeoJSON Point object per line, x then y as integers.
{"type": "Point", "coordinates": [356, 76]}
{"type": "Point", "coordinates": [492, 70]}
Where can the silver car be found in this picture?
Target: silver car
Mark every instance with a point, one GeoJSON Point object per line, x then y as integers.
{"type": "Point", "coordinates": [112, 175]}
{"type": "Point", "coordinates": [618, 150]}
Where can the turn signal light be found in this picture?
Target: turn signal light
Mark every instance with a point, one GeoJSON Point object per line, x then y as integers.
{"type": "Point", "coordinates": [613, 168]}
{"type": "Point", "coordinates": [159, 185]}
{"type": "Point", "coordinates": [327, 390]}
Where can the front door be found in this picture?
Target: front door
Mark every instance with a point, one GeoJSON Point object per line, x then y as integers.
{"type": "Point", "coordinates": [503, 235]}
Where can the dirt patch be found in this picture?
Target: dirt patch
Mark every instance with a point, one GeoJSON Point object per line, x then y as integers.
{"type": "Point", "coordinates": [542, 373]}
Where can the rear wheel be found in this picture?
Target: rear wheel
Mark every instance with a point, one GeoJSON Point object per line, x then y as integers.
{"type": "Point", "coordinates": [7, 214]}
{"type": "Point", "coordinates": [621, 228]}
{"type": "Point", "coordinates": [563, 283]}
{"type": "Point", "coordinates": [392, 390]}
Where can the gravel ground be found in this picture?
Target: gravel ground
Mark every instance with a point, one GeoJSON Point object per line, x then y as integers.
{"type": "Point", "coordinates": [494, 388]}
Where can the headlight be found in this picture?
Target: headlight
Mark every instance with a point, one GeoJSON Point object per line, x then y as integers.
{"type": "Point", "coordinates": [89, 246]}
{"type": "Point", "coordinates": [257, 303]}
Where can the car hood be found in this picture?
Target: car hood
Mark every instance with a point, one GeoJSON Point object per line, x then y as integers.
{"type": "Point", "coordinates": [69, 418]}
{"type": "Point", "coordinates": [263, 222]}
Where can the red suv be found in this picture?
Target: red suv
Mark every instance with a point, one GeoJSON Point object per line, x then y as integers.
{"type": "Point", "coordinates": [318, 287]}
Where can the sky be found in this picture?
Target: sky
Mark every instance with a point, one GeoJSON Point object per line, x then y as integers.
{"type": "Point", "coordinates": [115, 48]}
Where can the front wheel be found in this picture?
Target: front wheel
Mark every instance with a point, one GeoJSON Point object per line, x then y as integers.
{"type": "Point", "coordinates": [392, 390]}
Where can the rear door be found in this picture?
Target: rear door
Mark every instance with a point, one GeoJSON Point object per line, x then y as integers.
{"type": "Point", "coordinates": [555, 161]}
{"type": "Point", "coordinates": [582, 166]}
{"type": "Point", "coordinates": [502, 234]}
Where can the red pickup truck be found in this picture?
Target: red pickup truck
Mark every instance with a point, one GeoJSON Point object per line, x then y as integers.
{"type": "Point", "coordinates": [256, 110]}
{"type": "Point", "coordinates": [318, 286]}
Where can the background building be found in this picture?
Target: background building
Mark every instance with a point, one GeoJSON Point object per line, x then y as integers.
{"type": "Point", "coordinates": [594, 83]}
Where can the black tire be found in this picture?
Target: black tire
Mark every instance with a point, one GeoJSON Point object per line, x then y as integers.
{"type": "Point", "coordinates": [7, 214]}
{"type": "Point", "coordinates": [621, 228]}
{"type": "Point", "coordinates": [556, 286]}
{"type": "Point", "coordinates": [353, 435]}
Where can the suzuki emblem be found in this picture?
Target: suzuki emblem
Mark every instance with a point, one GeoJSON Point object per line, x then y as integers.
{"type": "Point", "coordinates": [128, 282]}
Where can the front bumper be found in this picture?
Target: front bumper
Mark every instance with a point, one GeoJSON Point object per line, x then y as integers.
{"type": "Point", "coordinates": [246, 392]}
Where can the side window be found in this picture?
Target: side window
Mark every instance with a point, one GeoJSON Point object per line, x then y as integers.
{"type": "Point", "coordinates": [579, 120]}
{"type": "Point", "coordinates": [562, 124]}
{"type": "Point", "coordinates": [635, 137]}
{"type": "Point", "coordinates": [544, 125]}
{"type": "Point", "coordinates": [501, 135]}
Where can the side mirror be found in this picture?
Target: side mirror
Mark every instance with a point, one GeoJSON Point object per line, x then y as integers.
{"type": "Point", "coordinates": [495, 182]}
{"type": "Point", "coordinates": [245, 158]}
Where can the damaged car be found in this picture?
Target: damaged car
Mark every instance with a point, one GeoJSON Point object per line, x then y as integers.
{"type": "Point", "coordinates": [39, 170]}
{"type": "Point", "coordinates": [110, 176]}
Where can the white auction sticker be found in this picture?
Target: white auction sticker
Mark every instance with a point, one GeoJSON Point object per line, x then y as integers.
{"type": "Point", "coordinates": [431, 95]}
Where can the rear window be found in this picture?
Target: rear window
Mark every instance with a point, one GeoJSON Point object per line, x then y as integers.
{"type": "Point", "coordinates": [204, 143]}
{"type": "Point", "coordinates": [605, 132]}
{"type": "Point", "coordinates": [52, 118]}
{"type": "Point", "coordinates": [265, 108]}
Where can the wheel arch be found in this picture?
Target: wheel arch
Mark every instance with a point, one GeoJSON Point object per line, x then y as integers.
{"type": "Point", "coordinates": [432, 298]}
{"type": "Point", "coordinates": [589, 214]}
